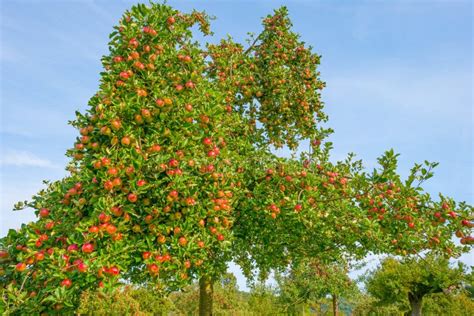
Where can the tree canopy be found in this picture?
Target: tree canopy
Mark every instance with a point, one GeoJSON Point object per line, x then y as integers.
{"type": "Point", "coordinates": [311, 281]}
{"type": "Point", "coordinates": [407, 282]}
{"type": "Point", "coordinates": [173, 173]}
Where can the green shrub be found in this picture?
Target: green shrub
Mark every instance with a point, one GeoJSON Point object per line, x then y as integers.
{"type": "Point", "coordinates": [124, 301]}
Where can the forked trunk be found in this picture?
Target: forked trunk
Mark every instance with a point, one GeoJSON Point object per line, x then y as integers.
{"type": "Point", "coordinates": [335, 308]}
{"type": "Point", "coordinates": [206, 291]}
{"type": "Point", "coordinates": [415, 304]}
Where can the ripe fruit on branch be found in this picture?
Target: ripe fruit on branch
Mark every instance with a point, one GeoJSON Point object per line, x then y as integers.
{"type": "Point", "coordinates": [104, 218]}
{"type": "Point", "coordinates": [146, 113]}
{"type": "Point", "coordinates": [153, 268]}
{"type": "Point", "coordinates": [171, 20]}
{"type": "Point", "coordinates": [112, 171]}
{"type": "Point", "coordinates": [173, 194]}
{"type": "Point", "coordinates": [117, 211]}
{"type": "Point", "coordinates": [66, 283]}
{"type": "Point", "coordinates": [190, 201]}
{"type": "Point", "coordinates": [189, 85]}
{"type": "Point", "coordinates": [81, 266]}
{"type": "Point", "coordinates": [125, 75]}
{"type": "Point", "coordinates": [113, 270]}
{"type": "Point", "coordinates": [316, 142]}
{"type": "Point", "coordinates": [111, 229]}
{"type": "Point", "coordinates": [20, 267]}
{"type": "Point", "coordinates": [207, 141]}
{"type": "Point", "coordinates": [133, 43]}
{"type": "Point", "coordinates": [161, 239]}
{"type": "Point", "coordinates": [187, 264]}
{"type": "Point", "coordinates": [72, 248]}
{"type": "Point", "coordinates": [108, 185]}
{"type": "Point", "coordinates": [188, 107]}
{"type": "Point", "coordinates": [126, 141]}
{"type": "Point", "coordinates": [44, 213]}
{"type": "Point", "coordinates": [132, 197]}
{"type": "Point", "coordinates": [87, 248]}
{"type": "Point", "coordinates": [160, 102]}
{"type": "Point", "coordinates": [182, 241]}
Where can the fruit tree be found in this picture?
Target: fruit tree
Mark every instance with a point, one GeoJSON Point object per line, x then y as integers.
{"type": "Point", "coordinates": [409, 281]}
{"type": "Point", "coordinates": [174, 174]}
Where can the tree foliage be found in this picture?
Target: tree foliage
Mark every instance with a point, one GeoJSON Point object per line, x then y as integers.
{"type": "Point", "coordinates": [173, 173]}
{"type": "Point", "coordinates": [405, 283]}
{"type": "Point", "coordinates": [313, 280]}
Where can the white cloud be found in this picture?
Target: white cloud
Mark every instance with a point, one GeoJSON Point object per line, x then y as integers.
{"type": "Point", "coordinates": [24, 159]}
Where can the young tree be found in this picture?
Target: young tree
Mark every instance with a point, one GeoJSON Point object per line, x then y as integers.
{"type": "Point", "coordinates": [312, 281]}
{"type": "Point", "coordinates": [408, 282]}
{"type": "Point", "coordinates": [172, 175]}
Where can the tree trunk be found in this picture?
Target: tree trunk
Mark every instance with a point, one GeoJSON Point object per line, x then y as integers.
{"type": "Point", "coordinates": [415, 304]}
{"type": "Point", "coordinates": [335, 308]}
{"type": "Point", "coordinates": [206, 291]}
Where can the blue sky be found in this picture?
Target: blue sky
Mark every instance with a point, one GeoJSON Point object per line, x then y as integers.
{"type": "Point", "coordinates": [399, 75]}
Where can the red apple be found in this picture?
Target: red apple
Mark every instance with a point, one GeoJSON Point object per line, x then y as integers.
{"type": "Point", "coordinates": [160, 102]}
{"type": "Point", "coordinates": [125, 141]}
{"type": "Point", "coordinates": [88, 248]}
{"type": "Point", "coordinates": [111, 229]}
{"type": "Point", "coordinates": [114, 270]}
{"type": "Point", "coordinates": [183, 241]}
{"type": "Point", "coordinates": [72, 248]}
{"type": "Point", "coordinates": [81, 267]}
{"type": "Point", "coordinates": [66, 283]}
{"type": "Point", "coordinates": [153, 268]}
{"type": "Point", "coordinates": [132, 197]}
{"type": "Point", "coordinates": [44, 213]}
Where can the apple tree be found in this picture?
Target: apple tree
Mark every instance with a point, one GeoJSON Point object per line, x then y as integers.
{"type": "Point", "coordinates": [311, 281]}
{"type": "Point", "coordinates": [173, 173]}
{"type": "Point", "coordinates": [407, 282]}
